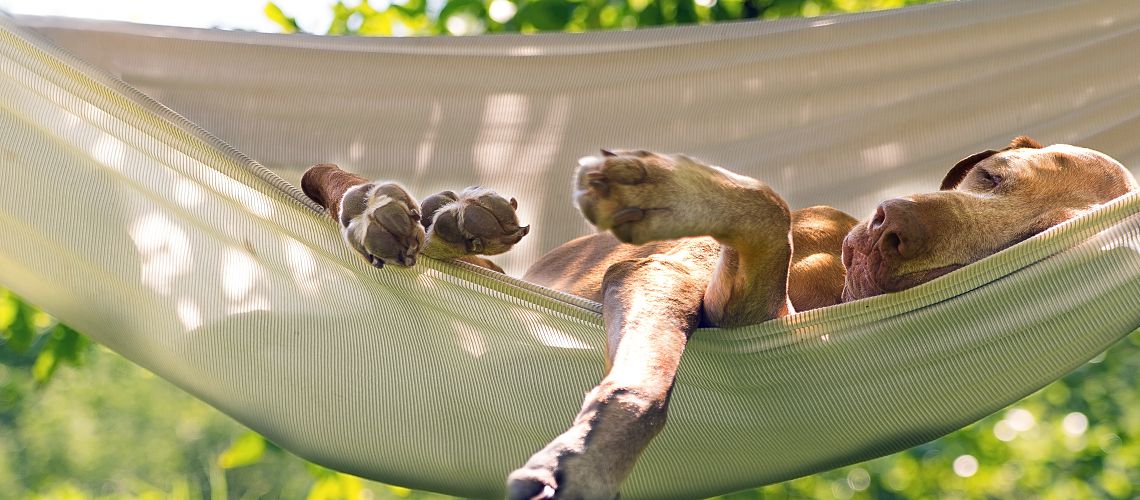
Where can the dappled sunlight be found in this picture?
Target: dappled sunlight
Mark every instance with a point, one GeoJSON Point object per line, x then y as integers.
{"type": "Point", "coordinates": [820, 225]}
{"type": "Point", "coordinates": [1133, 244]}
{"type": "Point", "coordinates": [189, 314]}
{"type": "Point", "coordinates": [1122, 240]}
{"type": "Point", "coordinates": [525, 51]}
{"type": "Point", "coordinates": [517, 147]}
{"type": "Point", "coordinates": [164, 251]}
{"type": "Point", "coordinates": [545, 334]}
{"type": "Point", "coordinates": [250, 198]}
{"type": "Point", "coordinates": [469, 338]}
{"type": "Point", "coordinates": [242, 283]}
{"type": "Point", "coordinates": [303, 265]}
{"type": "Point", "coordinates": [358, 353]}
{"type": "Point", "coordinates": [188, 194]}
{"type": "Point", "coordinates": [884, 156]}
{"type": "Point", "coordinates": [356, 151]}
{"type": "Point", "coordinates": [109, 151]}
{"type": "Point", "coordinates": [238, 274]}
{"type": "Point", "coordinates": [427, 143]}
{"type": "Point", "coordinates": [504, 122]}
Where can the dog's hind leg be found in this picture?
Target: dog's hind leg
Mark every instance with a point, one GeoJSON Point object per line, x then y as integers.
{"type": "Point", "coordinates": [651, 306]}
{"type": "Point", "coordinates": [642, 196]}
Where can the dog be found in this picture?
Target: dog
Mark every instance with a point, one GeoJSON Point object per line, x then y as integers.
{"type": "Point", "coordinates": [683, 244]}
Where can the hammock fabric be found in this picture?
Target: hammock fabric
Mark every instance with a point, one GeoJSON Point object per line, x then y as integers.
{"type": "Point", "coordinates": [161, 241]}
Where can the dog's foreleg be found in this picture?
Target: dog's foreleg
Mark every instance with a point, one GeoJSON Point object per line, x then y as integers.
{"type": "Point", "coordinates": [477, 221]}
{"type": "Point", "coordinates": [651, 306]}
{"type": "Point", "coordinates": [384, 224]}
{"type": "Point", "coordinates": [378, 220]}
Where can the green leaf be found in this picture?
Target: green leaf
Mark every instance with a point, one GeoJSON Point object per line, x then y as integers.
{"type": "Point", "coordinates": [63, 345]}
{"type": "Point", "coordinates": [335, 487]}
{"type": "Point", "coordinates": [546, 15]}
{"type": "Point", "coordinates": [21, 333]}
{"type": "Point", "coordinates": [72, 345]}
{"type": "Point", "coordinates": [275, 14]}
{"type": "Point", "coordinates": [474, 10]}
{"type": "Point", "coordinates": [341, 14]}
{"type": "Point", "coordinates": [8, 306]}
{"type": "Point", "coordinates": [473, 7]}
{"type": "Point", "coordinates": [319, 472]}
{"type": "Point", "coordinates": [247, 449]}
{"type": "Point", "coordinates": [46, 363]}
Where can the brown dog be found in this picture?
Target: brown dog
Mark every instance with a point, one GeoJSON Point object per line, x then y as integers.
{"type": "Point", "coordinates": [691, 244]}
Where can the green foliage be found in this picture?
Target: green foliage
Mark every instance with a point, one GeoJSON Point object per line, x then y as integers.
{"type": "Point", "coordinates": [465, 17]}
{"type": "Point", "coordinates": [288, 24]}
{"type": "Point", "coordinates": [112, 430]}
{"type": "Point", "coordinates": [247, 449]}
{"type": "Point", "coordinates": [32, 339]}
{"type": "Point", "coordinates": [1079, 437]}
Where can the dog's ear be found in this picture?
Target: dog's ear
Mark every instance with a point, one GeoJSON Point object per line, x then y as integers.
{"type": "Point", "coordinates": [1024, 141]}
{"type": "Point", "coordinates": [963, 167]}
{"type": "Point", "coordinates": [956, 174]}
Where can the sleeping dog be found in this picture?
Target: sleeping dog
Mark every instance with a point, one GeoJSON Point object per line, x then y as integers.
{"type": "Point", "coordinates": [684, 244]}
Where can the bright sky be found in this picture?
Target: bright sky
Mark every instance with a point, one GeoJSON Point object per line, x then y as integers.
{"type": "Point", "coordinates": [312, 15]}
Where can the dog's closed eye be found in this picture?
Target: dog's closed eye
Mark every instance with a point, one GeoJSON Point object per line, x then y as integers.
{"type": "Point", "coordinates": [989, 179]}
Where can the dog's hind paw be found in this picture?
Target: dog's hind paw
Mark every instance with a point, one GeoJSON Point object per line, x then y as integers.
{"type": "Point", "coordinates": [477, 221]}
{"type": "Point", "coordinates": [642, 196]}
{"type": "Point", "coordinates": [381, 222]}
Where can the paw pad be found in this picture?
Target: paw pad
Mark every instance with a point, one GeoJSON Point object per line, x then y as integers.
{"type": "Point", "coordinates": [381, 222]}
{"type": "Point", "coordinates": [476, 221]}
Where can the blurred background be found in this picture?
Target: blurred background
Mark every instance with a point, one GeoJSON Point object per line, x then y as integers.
{"type": "Point", "coordinates": [78, 421]}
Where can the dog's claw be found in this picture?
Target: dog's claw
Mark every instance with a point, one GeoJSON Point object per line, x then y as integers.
{"type": "Point", "coordinates": [627, 215]}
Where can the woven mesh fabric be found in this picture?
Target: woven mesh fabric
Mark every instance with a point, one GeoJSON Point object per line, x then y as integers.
{"type": "Point", "coordinates": [131, 223]}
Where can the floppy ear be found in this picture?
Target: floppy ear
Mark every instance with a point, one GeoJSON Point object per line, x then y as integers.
{"type": "Point", "coordinates": [956, 174]}
{"type": "Point", "coordinates": [1024, 141]}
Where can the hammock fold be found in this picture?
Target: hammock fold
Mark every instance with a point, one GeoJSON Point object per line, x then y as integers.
{"type": "Point", "coordinates": [131, 223]}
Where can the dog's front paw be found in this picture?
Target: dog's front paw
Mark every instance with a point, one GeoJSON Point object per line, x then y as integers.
{"type": "Point", "coordinates": [381, 221]}
{"type": "Point", "coordinates": [477, 221]}
{"type": "Point", "coordinates": [562, 471]}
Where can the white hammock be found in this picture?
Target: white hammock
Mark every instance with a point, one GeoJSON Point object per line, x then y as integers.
{"type": "Point", "coordinates": [137, 227]}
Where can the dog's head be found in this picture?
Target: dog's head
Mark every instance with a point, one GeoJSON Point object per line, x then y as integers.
{"type": "Point", "coordinates": [987, 202]}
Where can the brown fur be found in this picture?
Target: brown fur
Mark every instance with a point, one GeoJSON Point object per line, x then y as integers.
{"type": "Point", "coordinates": [989, 201]}
{"type": "Point", "coordinates": [326, 183]}
{"type": "Point", "coordinates": [684, 244]}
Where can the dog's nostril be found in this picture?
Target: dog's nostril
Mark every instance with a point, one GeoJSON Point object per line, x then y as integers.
{"type": "Point", "coordinates": [891, 243]}
{"type": "Point", "coordinates": [879, 218]}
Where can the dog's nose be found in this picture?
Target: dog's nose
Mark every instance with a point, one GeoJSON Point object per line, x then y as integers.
{"type": "Point", "coordinates": [897, 229]}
